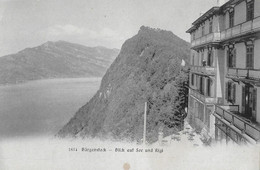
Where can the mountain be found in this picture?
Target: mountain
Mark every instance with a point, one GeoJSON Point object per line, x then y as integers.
{"type": "Point", "coordinates": [55, 60]}
{"type": "Point", "coordinates": [148, 69]}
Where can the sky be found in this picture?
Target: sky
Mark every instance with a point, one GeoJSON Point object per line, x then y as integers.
{"type": "Point", "coordinates": [108, 23]}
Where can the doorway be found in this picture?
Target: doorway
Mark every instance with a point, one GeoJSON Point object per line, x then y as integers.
{"type": "Point", "coordinates": [249, 100]}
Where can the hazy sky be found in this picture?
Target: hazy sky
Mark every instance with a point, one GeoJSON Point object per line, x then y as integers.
{"type": "Point", "coordinates": [28, 23]}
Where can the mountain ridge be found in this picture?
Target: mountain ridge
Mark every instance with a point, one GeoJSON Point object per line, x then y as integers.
{"type": "Point", "coordinates": [58, 59]}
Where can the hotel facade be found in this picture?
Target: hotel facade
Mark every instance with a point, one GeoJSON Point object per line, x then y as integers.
{"type": "Point", "coordinates": [224, 86]}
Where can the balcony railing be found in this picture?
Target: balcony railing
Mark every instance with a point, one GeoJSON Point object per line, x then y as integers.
{"type": "Point", "coordinates": [241, 29]}
{"type": "Point", "coordinates": [207, 70]}
{"type": "Point", "coordinates": [237, 30]}
{"type": "Point", "coordinates": [244, 73]}
{"type": "Point", "coordinates": [247, 127]}
{"type": "Point", "coordinates": [212, 37]}
{"type": "Point", "coordinates": [201, 97]}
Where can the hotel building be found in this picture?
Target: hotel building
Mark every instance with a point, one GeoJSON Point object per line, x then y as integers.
{"type": "Point", "coordinates": [224, 89]}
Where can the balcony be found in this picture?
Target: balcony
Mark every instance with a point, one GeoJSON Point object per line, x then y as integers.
{"type": "Point", "coordinates": [234, 120]}
{"type": "Point", "coordinates": [241, 29]}
{"type": "Point", "coordinates": [244, 74]}
{"type": "Point", "coordinates": [206, 70]}
{"type": "Point", "coordinates": [202, 98]}
{"type": "Point", "coordinates": [210, 38]}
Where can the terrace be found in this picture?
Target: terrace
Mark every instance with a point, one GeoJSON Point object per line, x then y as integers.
{"type": "Point", "coordinates": [245, 127]}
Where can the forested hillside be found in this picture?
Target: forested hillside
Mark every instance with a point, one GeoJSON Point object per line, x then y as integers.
{"type": "Point", "coordinates": [148, 69]}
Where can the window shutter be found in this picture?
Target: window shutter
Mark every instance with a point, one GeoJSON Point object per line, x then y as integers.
{"type": "Point", "coordinates": [254, 99]}
{"type": "Point", "coordinates": [226, 92]}
{"type": "Point", "coordinates": [234, 57]}
{"type": "Point", "coordinates": [252, 57]}
{"type": "Point", "coordinates": [234, 93]}
{"type": "Point", "coordinates": [243, 99]}
{"type": "Point", "coordinates": [247, 57]}
{"type": "Point", "coordinates": [198, 82]}
{"type": "Point", "coordinates": [208, 58]}
{"type": "Point", "coordinates": [227, 58]}
{"type": "Point", "coordinates": [209, 87]}
{"type": "Point", "coordinates": [192, 79]}
{"type": "Point", "coordinates": [203, 86]}
{"type": "Point", "coordinates": [212, 58]}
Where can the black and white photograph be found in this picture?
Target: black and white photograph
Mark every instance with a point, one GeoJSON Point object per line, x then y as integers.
{"type": "Point", "coordinates": [129, 84]}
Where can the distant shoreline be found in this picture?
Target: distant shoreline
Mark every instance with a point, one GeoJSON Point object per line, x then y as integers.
{"type": "Point", "coordinates": [52, 79]}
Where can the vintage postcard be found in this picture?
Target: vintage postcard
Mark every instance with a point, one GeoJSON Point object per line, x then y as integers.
{"type": "Point", "coordinates": [129, 84]}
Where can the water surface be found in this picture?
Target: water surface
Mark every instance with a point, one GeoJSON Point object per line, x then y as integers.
{"type": "Point", "coordinates": [42, 107]}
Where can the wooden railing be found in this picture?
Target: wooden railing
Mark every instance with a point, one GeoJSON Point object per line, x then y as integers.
{"type": "Point", "coordinates": [244, 125]}
{"type": "Point", "coordinates": [244, 72]}
{"type": "Point", "coordinates": [208, 70]}
{"type": "Point", "coordinates": [241, 29]}
{"type": "Point", "coordinates": [237, 30]}
{"type": "Point", "coordinates": [212, 37]}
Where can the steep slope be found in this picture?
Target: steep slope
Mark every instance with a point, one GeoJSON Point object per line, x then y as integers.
{"type": "Point", "coordinates": [55, 60]}
{"type": "Point", "coordinates": [148, 68]}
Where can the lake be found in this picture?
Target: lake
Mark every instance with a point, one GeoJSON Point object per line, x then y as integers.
{"type": "Point", "coordinates": [42, 107]}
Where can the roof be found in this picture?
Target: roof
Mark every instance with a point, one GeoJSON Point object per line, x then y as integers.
{"type": "Point", "coordinates": [211, 12]}
{"type": "Point", "coordinates": [204, 17]}
{"type": "Point", "coordinates": [191, 29]}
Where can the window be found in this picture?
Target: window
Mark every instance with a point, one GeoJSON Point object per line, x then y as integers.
{"type": "Point", "coordinates": [198, 59]}
{"type": "Point", "coordinates": [231, 19]}
{"type": "Point", "coordinates": [233, 93]}
{"type": "Point", "coordinates": [203, 30]}
{"type": "Point", "coordinates": [208, 91]}
{"type": "Point", "coordinates": [249, 101]}
{"type": "Point", "coordinates": [192, 79]}
{"type": "Point", "coordinates": [193, 36]}
{"type": "Point", "coordinates": [210, 26]}
{"type": "Point", "coordinates": [250, 10]}
{"type": "Point", "coordinates": [201, 88]}
{"type": "Point", "coordinates": [231, 58]}
{"type": "Point", "coordinates": [202, 59]}
{"type": "Point", "coordinates": [210, 58]}
{"type": "Point", "coordinates": [250, 56]}
{"type": "Point", "coordinates": [254, 99]}
{"type": "Point", "coordinates": [230, 92]}
{"type": "Point", "coordinates": [197, 82]}
{"type": "Point", "coordinates": [243, 99]}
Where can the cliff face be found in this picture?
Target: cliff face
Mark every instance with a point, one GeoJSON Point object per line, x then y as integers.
{"type": "Point", "coordinates": [55, 60]}
{"type": "Point", "coordinates": [148, 68]}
